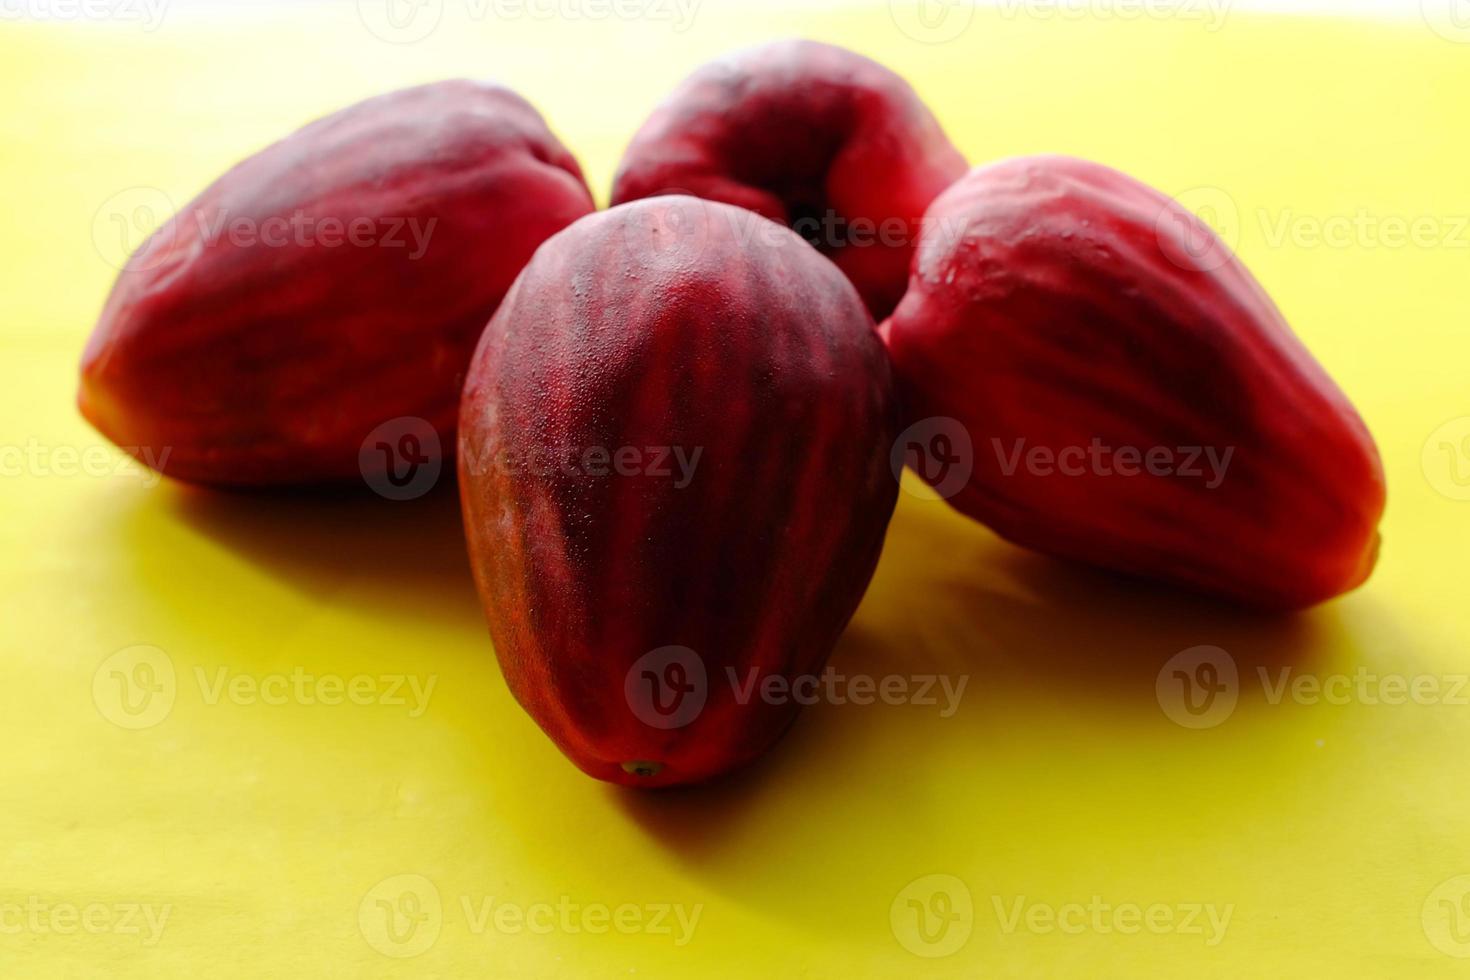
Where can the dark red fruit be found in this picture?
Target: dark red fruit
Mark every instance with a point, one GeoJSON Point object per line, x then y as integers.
{"type": "Point", "coordinates": [623, 596]}
{"type": "Point", "coordinates": [336, 280]}
{"type": "Point", "coordinates": [1133, 397]}
{"type": "Point", "coordinates": [810, 135]}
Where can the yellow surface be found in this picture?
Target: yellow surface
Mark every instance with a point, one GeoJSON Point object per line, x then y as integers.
{"type": "Point", "coordinates": [274, 839]}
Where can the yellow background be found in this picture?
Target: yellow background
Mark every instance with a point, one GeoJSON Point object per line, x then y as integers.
{"type": "Point", "coordinates": [1335, 834]}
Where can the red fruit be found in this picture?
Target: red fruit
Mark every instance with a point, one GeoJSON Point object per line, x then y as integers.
{"type": "Point", "coordinates": [1057, 305]}
{"type": "Point", "coordinates": [746, 393]}
{"type": "Point", "coordinates": [335, 280]}
{"type": "Point", "coordinates": [810, 135]}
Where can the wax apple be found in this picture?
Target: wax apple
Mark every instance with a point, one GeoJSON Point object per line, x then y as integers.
{"type": "Point", "coordinates": [811, 135]}
{"type": "Point", "coordinates": [333, 282]}
{"type": "Point", "coordinates": [674, 465]}
{"type": "Point", "coordinates": [1132, 397]}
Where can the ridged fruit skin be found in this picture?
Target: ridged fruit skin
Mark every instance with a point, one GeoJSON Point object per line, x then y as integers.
{"type": "Point", "coordinates": [1057, 301]}
{"type": "Point", "coordinates": [657, 324]}
{"type": "Point", "coordinates": [266, 356]}
{"type": "Point", "coordinates": [798, 129]}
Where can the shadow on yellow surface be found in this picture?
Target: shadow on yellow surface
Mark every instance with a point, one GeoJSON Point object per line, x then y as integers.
{"type": "Point", "coordinates": [1073, 652]}
{"type": "Point", "coordinates": [410, 553]}
{"type": "Point", "coordinates": [1027, 632]}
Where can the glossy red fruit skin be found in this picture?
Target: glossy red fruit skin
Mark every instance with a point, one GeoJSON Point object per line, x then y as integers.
{"type": "Point", "coordinates": [1057, 301]}
{"type": "Point", "coordinates": [257, 353]}
{"type": "Point", "coordinates": [798, 129]}
{"type": "Point", "coordinates": [657, 324]}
